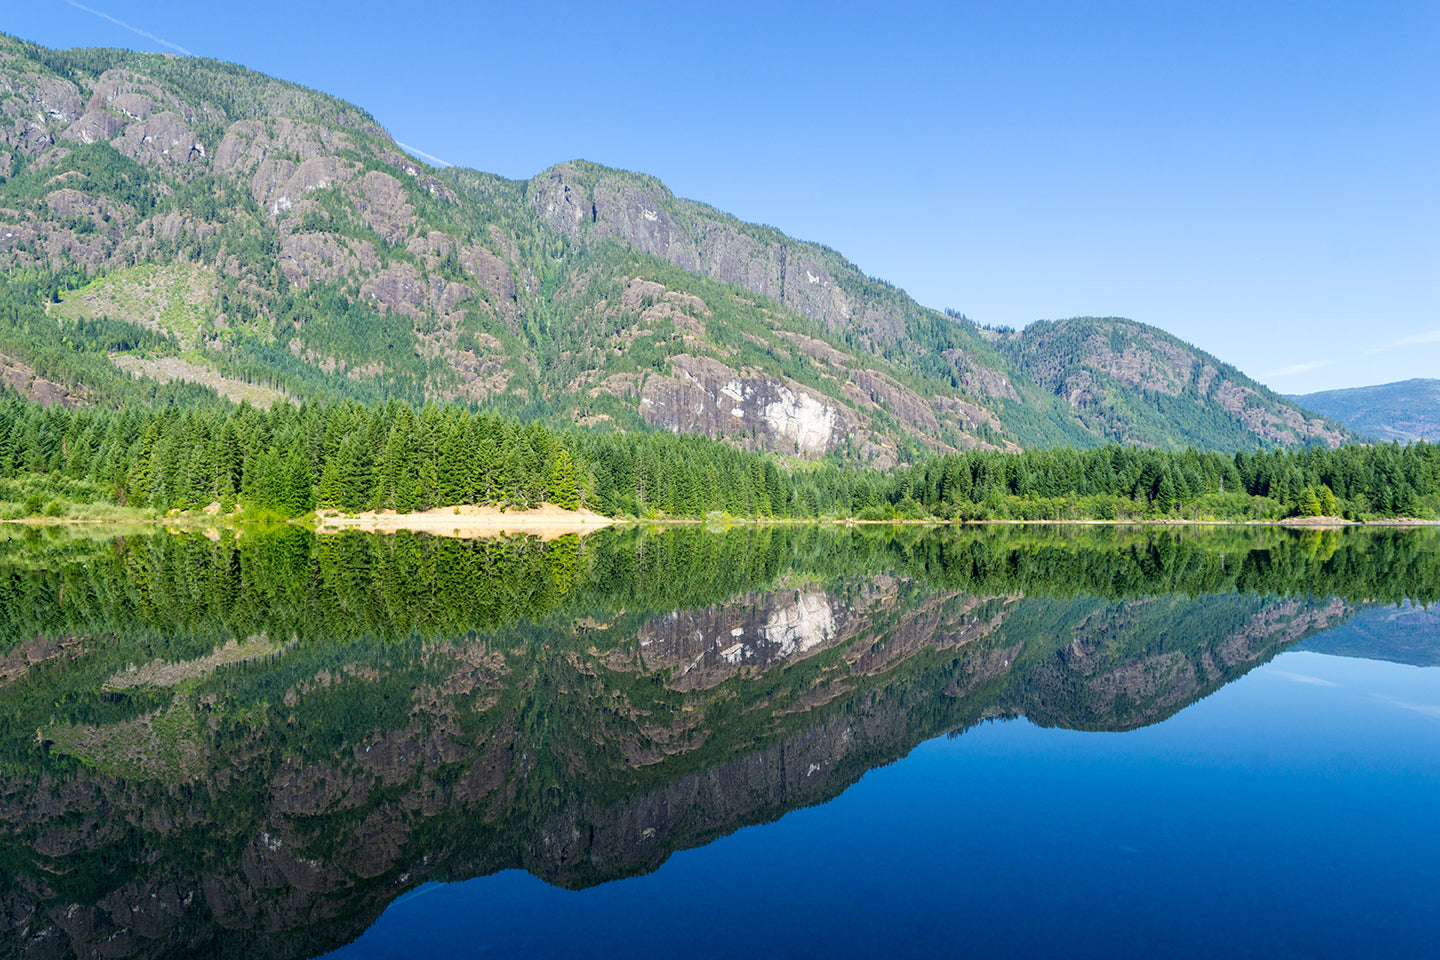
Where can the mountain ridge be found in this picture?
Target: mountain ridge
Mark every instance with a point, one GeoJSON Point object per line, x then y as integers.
{"type": "Point", "coordinates": [1405, 410]}
{"type": "Point", "coordinates": [320, 258]}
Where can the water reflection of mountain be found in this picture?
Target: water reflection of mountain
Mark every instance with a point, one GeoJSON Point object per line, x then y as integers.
{"type": "Point", "coordinates": [251, 746]}
{"type": "Point", "coordinates": [1401, 634]}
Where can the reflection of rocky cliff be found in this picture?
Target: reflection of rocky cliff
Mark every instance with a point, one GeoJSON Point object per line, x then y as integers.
{"type": "Point", "coordinates": [275, 802]}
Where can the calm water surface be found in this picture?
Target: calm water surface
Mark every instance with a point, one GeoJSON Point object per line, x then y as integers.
{"type": "Point", "coordinates": [1290, 814]}
{"type": "Point", "coordinates": [770, 742]}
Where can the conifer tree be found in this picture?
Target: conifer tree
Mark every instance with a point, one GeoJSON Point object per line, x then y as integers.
{"type": "Point", "coordinates": [564, 486]}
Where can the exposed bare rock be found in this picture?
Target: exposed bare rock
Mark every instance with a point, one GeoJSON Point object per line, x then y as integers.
{"type": "Point", "coordinates": [415, 170]}
{"type": "Point", "coordinates": [623, 385]}
{"type": "Point", "coordinates": [870, 390]}
{"type": "Point", "coordinates": [162, 139]}
{"type": "Point", "coordinates": [150, 910]}
{"type": "Point", "coordinates": [982, 666]}
{"type": "Point", "coordinates": [937, 624]}
{"type": "Point", "coordinates": [136, 106]}
{"type": "Point", "coordinates": [818, 349]}
{"type": "Point", "coordinates": [1279, 621]}
{"type": "Point", "coordinates": [36, 389]}
{"type": "Point", "coordinates": [703, 648]}
{"type": "Point", "coordinates": [1141, 360]}
{"type": "Point", "coordinates": [324, 257]}
{"type": "Point", "coordinates": [482, 374]}
{"type": "Point", "coordinates": [72, 203]}
{"type": "Point", "coordinates": [638, 211]}
{"type": "Point", "coordinates": [95, 126]}
{"type": "Point", "coordinates": [1278, 425]}
{"type": "Point", "coordinates": [394, 758]}
{"type": "Point", "coordinates": [249, 142]}
{"type": "Point", "coordinates": [33, 108]}
{"type": "Point", "coordinates": [383, 202]}
{"type": "Point", "coordinates": [486, 775]}
{"type": "Point", "coordinates": [491, 273]}
{"type": "Point", "coordinates": [17, 661]}
{"type": "Point", "coordinates": [977, 379]}
{"type": "Point", "coordinates": [523, 257]}
{"type": "Point", "coordinates": [313, 788]}
{"type": "Point", "coordinates": [285, 160]}
{"type": "Point", "coordinates": [706, 396]}
{"type": "Point", "coordinates": [272, 861]}
{"type": "Point", "coordinates": [59, 100]}
{"type": "Point", "coordinates": [1166, 681]}
{"type": "Point", "coordinates": [136, 97]}
{"type": "Point", "coordinates": [377, 843]}
{"type": "Point", "coordinates": [1207, 377]}
{"type": "Point", "coordinates": [401, 289]}
{"type": "Point", "coordinates": [29, 136]}
{"type": "Point", "coordinates": [657, 305]}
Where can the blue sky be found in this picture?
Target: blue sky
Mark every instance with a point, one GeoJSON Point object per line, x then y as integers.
{"type": "Point", "coordinates": [1258, 179]}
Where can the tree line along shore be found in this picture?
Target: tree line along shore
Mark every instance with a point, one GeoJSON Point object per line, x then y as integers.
{"type": "Point", "coordinates": [93, 462]}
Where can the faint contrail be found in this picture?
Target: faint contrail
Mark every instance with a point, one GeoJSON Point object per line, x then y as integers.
{"type": "Point", "coordinates": [1297, 368]}
{"type": "Point", "coordinates": [1432, 336]}
{"type": "Point", "coordinates": [418, 153]}
{"type": "Point", "coordinates": [121, 23]}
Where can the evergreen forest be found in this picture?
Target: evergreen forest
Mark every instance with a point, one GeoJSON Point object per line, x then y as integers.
{"type": "Point", "coordinates": [290, 460]}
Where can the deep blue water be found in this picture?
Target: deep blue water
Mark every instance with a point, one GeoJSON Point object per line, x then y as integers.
{"type": "Point", "coordinates": [1294, 813]}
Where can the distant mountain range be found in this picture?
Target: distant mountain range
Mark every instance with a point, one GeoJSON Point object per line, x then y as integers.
{"type": "Point", "coordinates": [1404, 411]}
{"type": "Point", "coordinates": [1401, 634]}
{"type": "Point", "coordinates": [278, 236]}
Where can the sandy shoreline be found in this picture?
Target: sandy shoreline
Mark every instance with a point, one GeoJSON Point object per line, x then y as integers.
{"type": "Point", "coordinates": [546, 521]}
{"type": "Point", "coordinates": [549, 521]}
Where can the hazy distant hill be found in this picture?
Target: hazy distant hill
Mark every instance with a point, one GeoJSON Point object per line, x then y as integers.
{"type": "Point", "coordinates": [1408, 410]}
{"type": "Point", "coordinates": [274, 235]}
{"type": "Point", "coordinates": [1404, 634]}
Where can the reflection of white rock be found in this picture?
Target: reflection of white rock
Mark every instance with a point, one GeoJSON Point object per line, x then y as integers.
{"type": "Point", "coordinates": [798, 628]}
{"type": "Point", "coordinates": [802, 419]}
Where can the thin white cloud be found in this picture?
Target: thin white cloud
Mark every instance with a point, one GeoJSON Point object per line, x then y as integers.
{"type": "Point", "coordinates": [422, 154]}
{"type": "Point", "coordinates": [1430, 336]}
{"type": "Point", "coordinates": [1297, 368]}
{"type": "Point", "coordinates": [1303, 678]}
{"type": "Point", "coordinates": [121, 23]}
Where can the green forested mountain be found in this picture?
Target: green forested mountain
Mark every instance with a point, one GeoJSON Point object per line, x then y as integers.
{"type": "Point", "coordinates": [1404, 411]}
{"type": "Point", "coordinates": [188, 221]}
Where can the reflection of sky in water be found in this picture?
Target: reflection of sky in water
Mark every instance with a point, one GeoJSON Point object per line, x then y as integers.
{"type": "Point", "coordinates": [1292, 813]}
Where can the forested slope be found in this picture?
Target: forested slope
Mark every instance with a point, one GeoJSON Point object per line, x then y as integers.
{"type": "Point", "coordinates": [1404, 411]}
{"type": "Point", "coordinates": [269, 234]}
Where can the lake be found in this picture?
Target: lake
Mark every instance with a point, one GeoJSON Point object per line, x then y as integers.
{"type": "Point", "coordinates": [771, 741]}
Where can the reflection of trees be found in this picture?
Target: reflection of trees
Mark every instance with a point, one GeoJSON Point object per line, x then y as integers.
{"type": "Point", "coordinates": [428, 707]}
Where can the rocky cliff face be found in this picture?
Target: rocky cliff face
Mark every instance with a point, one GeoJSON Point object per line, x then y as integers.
{"type": "Point", "coordinates": [580, 200]}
